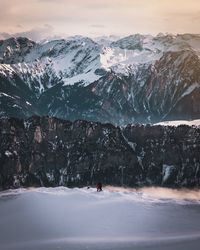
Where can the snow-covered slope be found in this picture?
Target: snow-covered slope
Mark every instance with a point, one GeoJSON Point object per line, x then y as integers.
{"type": "Point", "coordinates": [195, 123]}
{"type": "Point", "coordinates": [73, 61]}
{"type": "Point", "coordinates": [80, 55]}
{"type": "Point", "coordinates": [136, 78]}
{"type": "Point", "coordinates": [79, 219]}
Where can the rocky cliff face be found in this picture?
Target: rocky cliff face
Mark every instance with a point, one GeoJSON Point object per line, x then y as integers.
{"type": "Point", "coordinates": [43, 151]}
{"type": "Point", "coordinates": [135, 79]}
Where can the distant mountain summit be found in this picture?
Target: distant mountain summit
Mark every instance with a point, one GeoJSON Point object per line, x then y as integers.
{"type": "Point", "coordinates": [139, 78]}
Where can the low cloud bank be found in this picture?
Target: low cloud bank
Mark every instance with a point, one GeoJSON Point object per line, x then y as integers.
{"type": "Point", "coordinates": [160, 193]}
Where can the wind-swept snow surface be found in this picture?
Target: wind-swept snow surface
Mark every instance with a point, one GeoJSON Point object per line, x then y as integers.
{"type": "Point", "coordinates": [75, 219]}
{"type": "Point", "coordinates": [177, 123]}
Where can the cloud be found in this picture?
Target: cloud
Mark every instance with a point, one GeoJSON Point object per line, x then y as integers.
{"type": "Point", "coordinates": [101, 17]}
{"type": "Point", "coordinates": [53, 1]}
{"type": "Point", "coordinates": [97, 26]}
{"type": "Point", "coordinates": [19, 26]}
{"type": "Point", "coordinates": [4, 35]}
{"type": "Point", "coordinates": [35, 34]}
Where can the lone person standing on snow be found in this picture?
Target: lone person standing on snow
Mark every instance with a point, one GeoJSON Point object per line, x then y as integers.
{"type": "Point", "coordinates": [99, 187]}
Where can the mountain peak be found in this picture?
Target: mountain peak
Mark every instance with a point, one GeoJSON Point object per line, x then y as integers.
{"type": "Point", "coordinates": [138, 78]}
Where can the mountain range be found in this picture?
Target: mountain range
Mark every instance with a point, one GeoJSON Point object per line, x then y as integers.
{"type": "Point", "coordinates": [139, 78]}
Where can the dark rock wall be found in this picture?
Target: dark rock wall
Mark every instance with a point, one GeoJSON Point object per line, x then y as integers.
{"type": "Point", "coordinates": [43, 151]}
{"type": "Point", "coordinates": [168, 155]}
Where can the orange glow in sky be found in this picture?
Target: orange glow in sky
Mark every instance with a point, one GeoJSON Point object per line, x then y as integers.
{"type": "Point", "coordinates": [100, 17]}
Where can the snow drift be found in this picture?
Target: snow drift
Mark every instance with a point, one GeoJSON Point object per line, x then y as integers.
{"type": "Point", "coordinates": [62, 218]}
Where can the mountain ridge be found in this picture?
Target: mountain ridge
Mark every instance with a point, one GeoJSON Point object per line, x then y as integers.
{"type": "Point", "coordinates": [139, 78]}
{"type": "Point", "coordinates": [46, 151]}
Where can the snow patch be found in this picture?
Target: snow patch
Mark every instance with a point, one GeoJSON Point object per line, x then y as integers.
{"type": "Point", "coordinates": [8, 153]}
{"type": "Point", "coordinates": [190, 89]}
{"type": "Point", "coordinates": [177, 123]}
{"type": "Point", "coordinates": [166, 171]}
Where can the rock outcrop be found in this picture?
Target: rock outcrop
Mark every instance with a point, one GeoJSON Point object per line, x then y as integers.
{"type": "Point", "coordinates": [44, 151]}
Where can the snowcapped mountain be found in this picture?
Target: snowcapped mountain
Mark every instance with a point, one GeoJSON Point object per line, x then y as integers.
{"type": "Point", "coordinates": [139, 78]}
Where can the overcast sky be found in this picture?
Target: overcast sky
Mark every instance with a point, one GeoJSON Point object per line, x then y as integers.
{"type": "Point", "coordinates": [40, 18]}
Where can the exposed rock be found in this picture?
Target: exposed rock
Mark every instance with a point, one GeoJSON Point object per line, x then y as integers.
{"type": "Point", "coordinates": [138, 78]}
{"type": "Point", "coordinates": [38, 134]}
{"type": "Point", "coordinates": [44, 151]}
